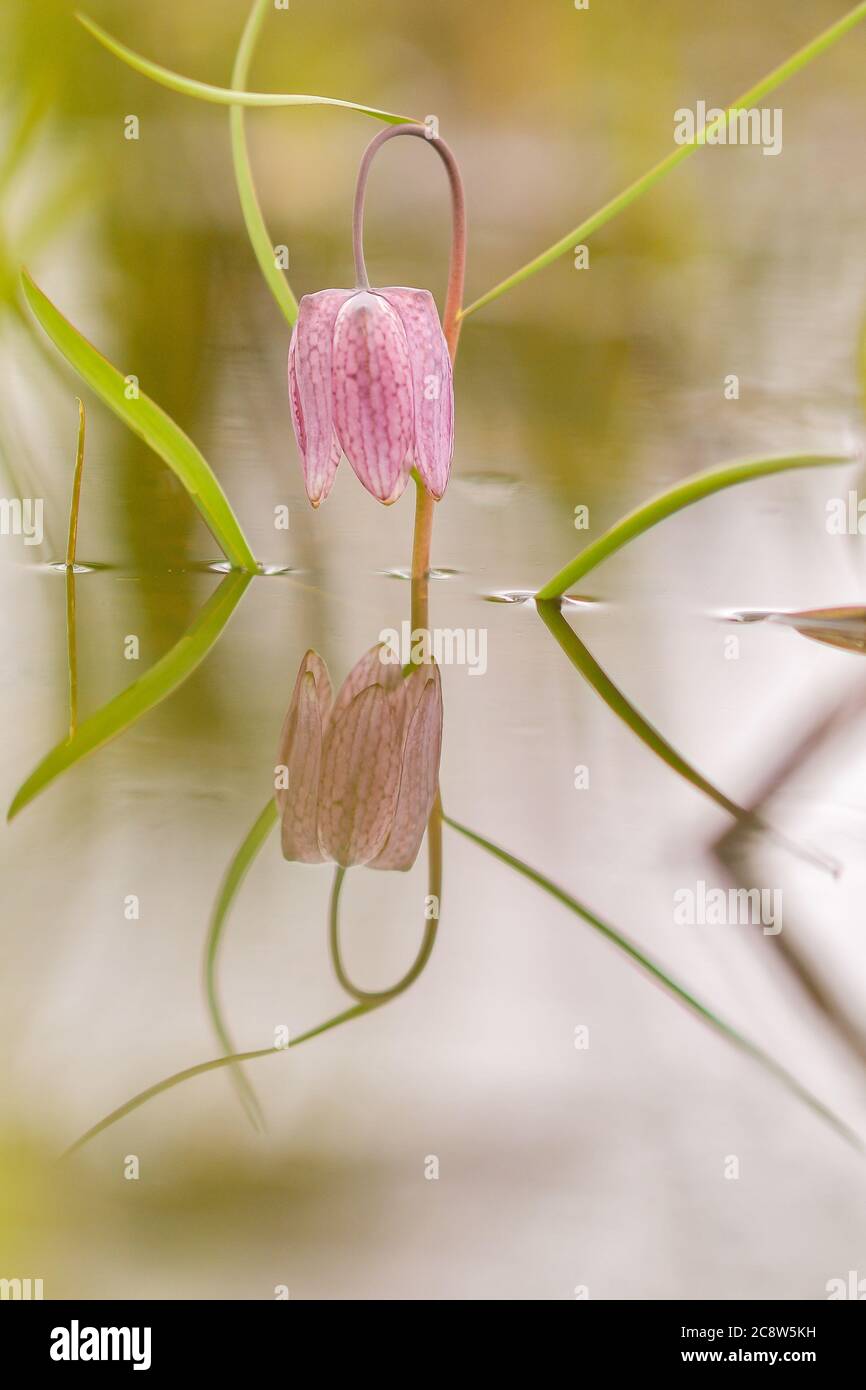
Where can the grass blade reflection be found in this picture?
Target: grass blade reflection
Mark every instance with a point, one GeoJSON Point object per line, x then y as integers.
{"type": "Point", "coordinates": [163, 678]}
{"type": "Point", "coordinates": [662, 978]}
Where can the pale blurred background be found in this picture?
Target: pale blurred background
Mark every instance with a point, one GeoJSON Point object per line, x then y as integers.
{"type": "Point", "coordinates": [558, 1167]}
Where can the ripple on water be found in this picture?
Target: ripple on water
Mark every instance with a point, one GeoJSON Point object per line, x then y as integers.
{"type": "Point", "coordinates": [225, 567]}
{"type": "Point", "coordinates": [487, 489]}
{"type": "Point", "coordinates": [80, 567]}
{"type": "Point", "coordinates": [525, 597]}
{"type": "Point", "coordinates": [844, 628]}
{"type": "Point", "coordinates": [400, 573]}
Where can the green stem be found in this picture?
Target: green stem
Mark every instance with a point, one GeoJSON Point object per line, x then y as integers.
{"type": "Point", "coordinates": [457, 258]}
{"type": "Point", "coordinates": [662, 977]}
{"type": "Point", "coordinates": [647, 181]}
{"type": "Point", "coordinates": [425, 510]}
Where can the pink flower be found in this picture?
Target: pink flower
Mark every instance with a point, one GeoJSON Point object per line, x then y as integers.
{"type": "Point", "coordinates": [362, 769]}
{"type": "Point", "coordinates": [370, 377]}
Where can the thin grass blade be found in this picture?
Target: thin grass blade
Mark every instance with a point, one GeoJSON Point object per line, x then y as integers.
{"type": "Point", "coordinates": [663, 978]}
{"type": "Point", "coordinates": [674, 499]}
{"type": "Point", "coordinates": [582, 659]}
{"type": "Point", "coordinates": [213, 1065]}
{"type": "Point", "coordinates": [252, 213]}
{"type": "Point", "coordinates": [71, 545]}
{"type": "Point", "coordinates": [635, 190]}
{"type": "Point", "coordinates": [75, 502]}
{"type": "Point", "coordinates": [229, 889]}
{"type": "Point", "coordinates": [225, 96]}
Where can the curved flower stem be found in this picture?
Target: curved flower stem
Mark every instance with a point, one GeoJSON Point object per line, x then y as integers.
{"type": "Point", "coordinates": [424, 508]}
{"type": "Point", "coordinates": [457, 263]}
{"type": "Point", "coordinates": [450, 321]}
{"type": "Point", "coordinates": [373, 998]}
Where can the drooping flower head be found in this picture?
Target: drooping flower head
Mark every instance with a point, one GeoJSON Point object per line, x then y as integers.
{"type": "Point", "coordinates": [362, 768]}
{"type": "Point", "coordinates": [370, 377]}
{"type": "Point", "coordinates": [370, 369]}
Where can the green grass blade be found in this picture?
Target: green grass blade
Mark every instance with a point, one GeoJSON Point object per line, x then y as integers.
{"type": "Point", "coordinates": [252, 213]}
{"type": "Point", "coordinates": [235, 875]}
{"type": "Point", "coordinates": [225, 96]}
{"type": "Point", "coordinates": [71, 545]}
{"type": "Point", "coordinates": [674, 499]}
{"type": "Point", "coordinates": [146, 419]}
{"type": "Point", "coordinates": [229, 889]}
{"type": "Point", "coordinates": [661, 977]}
{"type": "Point", "coordinates": [138, 699]}
{"type": "Point", "coordinates": [582, 659]}
{"type": "Point", "coordinates": [75, 501]}
{"type": "Point", "coordinates": [213, 1065]}
{"type": "Point", "coordinates": [647, 181]}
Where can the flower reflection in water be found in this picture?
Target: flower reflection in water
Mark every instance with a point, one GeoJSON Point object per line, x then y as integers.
{"type": "Point", "coordinates": [360, 771]}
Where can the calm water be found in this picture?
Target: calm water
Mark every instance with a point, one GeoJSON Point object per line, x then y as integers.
{"type": "Point", "coordinates": [558, 1167]}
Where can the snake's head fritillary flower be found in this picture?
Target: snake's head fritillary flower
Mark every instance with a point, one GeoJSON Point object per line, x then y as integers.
{"type": "Point", "coordinates": [362, 768]}
{"type": "Point", "coordinates": [370, 377]}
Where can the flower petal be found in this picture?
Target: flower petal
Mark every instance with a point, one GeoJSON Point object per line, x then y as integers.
{"type": "Point", "coordinates": [295, 400]}
{"type": "Point", "coordinates": [432, 385]}
{"type": "Point", "coordinates": [360, 779]}
{"type": "Point", "coordinates": [373, 410]}
{"type": "Point", "coordinates": [369, 670]}
{"type": "Point", "coordinates": [310, 374]}
{"type": "Point", "coordinates": [420, 774]}
{"type": "Point", "coordinates": [300, 751]}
